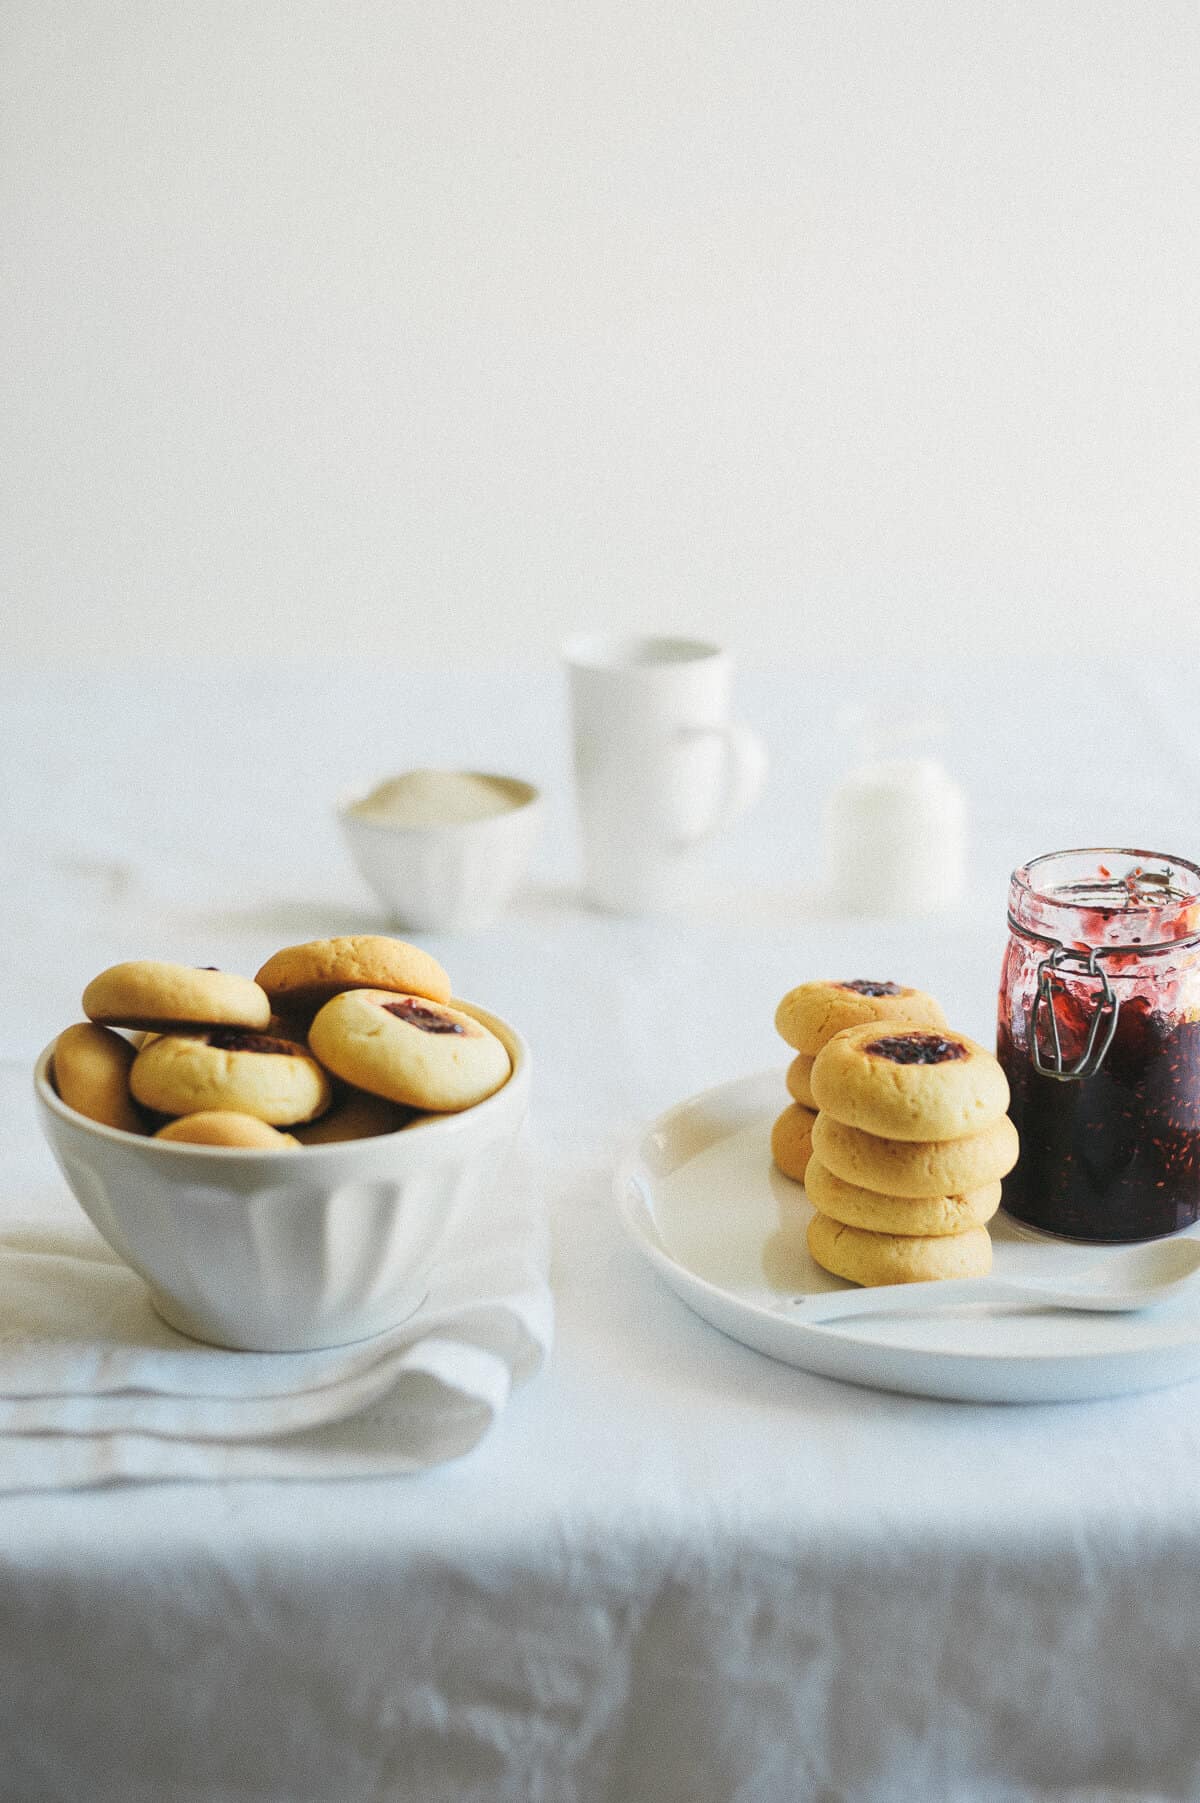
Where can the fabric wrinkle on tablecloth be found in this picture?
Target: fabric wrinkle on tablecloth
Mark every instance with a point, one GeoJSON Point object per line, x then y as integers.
{"type": "Point", "coordinates": [96, 1388]}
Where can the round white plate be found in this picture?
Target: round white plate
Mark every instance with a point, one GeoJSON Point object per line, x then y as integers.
{"type": "Point", "coordinates": [703, 1203]}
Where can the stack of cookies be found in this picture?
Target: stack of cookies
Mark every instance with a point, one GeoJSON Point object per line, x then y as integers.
{"type": "Point", "coordinates": [807, 1019]}
{"type": "Point", "coordinates": [909, 1139]}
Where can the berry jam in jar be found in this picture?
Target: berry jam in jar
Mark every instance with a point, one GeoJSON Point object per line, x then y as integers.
{"type": "Point", "coordinates": [1099, 1036]}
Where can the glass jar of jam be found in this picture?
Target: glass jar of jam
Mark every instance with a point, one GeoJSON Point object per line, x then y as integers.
{"type": "Point", "coordinates": [1099, 1035]}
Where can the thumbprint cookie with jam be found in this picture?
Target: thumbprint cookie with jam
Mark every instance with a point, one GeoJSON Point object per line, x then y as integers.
{"type": "Point", "coordinates": [810, 1015]}
{"type": "Point", "coordinates": [909, 1083]}
{"type": "Point", "coordinates": [151, 993]}
{"type": "Point", "coordinates": [410, 1050]}
{"type": "Point", "coordinates": [222, 1127]}
{"type": "Point", "coordinates": [91, 1074]}
{"type": "Point", "coordinates": [274, 1079]}
{"type": "Point", "coordinates": [300, 979]}
{"type": "Point", "coordinates": [878, 1258]}
{"type": "Point", "coordinates": [791, 1141]}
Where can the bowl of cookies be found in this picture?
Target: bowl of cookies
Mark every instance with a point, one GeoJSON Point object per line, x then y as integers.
{"type": "Point", "coordinates": [283, 1158]}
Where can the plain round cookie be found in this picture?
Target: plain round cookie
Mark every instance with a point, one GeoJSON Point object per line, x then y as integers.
{"type": "Point", "coordinates": [909, 1083]}
{"type": "Point", "coordinates": [91, 1075]}
{"type": "Point", "coordinates": [150, 993]}
{"type": "Point", "coordinates": [798, 1080]}
{"type": "Point", "coordinates": [221, 1127]}
{"type": "Point", "coordinates": [409, 1050]}
{"type": "Point", "coordinates": [360, 1116]}
{"type": "Point", "coordinates": [229, 1068]}
{"type": "Point", "coordinates": [930, 1217]}
{"type": "Point", "coordinates": [897, 1167]}
{"type": "Point", "coordinates": [876, 1258]}
{"type": "Point", "coordinates": [791, 1141]}
{"type": "Point", "coordinates": [302, 978]}
{"type": "Point", "coordinates": [812, 1013]}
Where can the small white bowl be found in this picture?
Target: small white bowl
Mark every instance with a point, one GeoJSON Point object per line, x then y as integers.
{"type": "Point", "coordinates": [288, 1251]}
{"type": "Point", "coordinates": [456, 876]}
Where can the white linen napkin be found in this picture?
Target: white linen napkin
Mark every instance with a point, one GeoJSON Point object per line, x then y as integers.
{"type": "Point", "coordinates": [95, 1388]}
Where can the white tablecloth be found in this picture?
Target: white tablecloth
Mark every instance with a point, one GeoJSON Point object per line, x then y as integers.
{"type": "Point", "coordinates": [675, 1572]}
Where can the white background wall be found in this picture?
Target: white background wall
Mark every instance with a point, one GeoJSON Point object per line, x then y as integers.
{"type": "Point", "coordinates": [436, 330]}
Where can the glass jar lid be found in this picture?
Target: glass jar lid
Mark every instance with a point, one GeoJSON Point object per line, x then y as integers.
{"type": "Point", "coordinates": [1099, 897]}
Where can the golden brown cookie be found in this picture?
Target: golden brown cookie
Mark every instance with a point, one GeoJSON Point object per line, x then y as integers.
{"type": "Point", "coordinates": [358, 1116]}
{"type": "Point", "coordinates": [148, 992]}
{"type": "Point", "coordinates": [811, 1014]}
{"type": "Point", "coordinates": [409, 1050]}
{"type": "Point", "coordinates": [91, 1075]}
{"type": "Point", "coordinates": [791, 1141]}
{"type": "Point", "coordinates": [798, 1081]}
{"type": "Point", "coordinates": [897, 1167]}
{"type": "Point", "coordinates": [229, 1068]}
{"type": "Point", "coordinates": [930, 1217]}
{"type": "Point", "coordinates": [875, 1258]}
{"type": "Point", "coordinates": [221, 1127]}
{"type": "Point", "coordinates": [302, 978]}
{"type": "Point", "coordinates": [909, 1082]}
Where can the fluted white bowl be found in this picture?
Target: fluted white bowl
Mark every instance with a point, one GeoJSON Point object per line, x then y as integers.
{"type": "Point", "coordinates": [454, 877]}
{"type": "Point", "coordinates": [293, 1250]}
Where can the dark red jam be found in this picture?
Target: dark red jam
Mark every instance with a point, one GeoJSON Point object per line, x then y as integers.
{"type": "Point", "coordinates": [917, 1048]}
{"type": "Point", "coordinates": [1116, 1155]}
{"type": "Point", "coordinates": [428, 1019]}
{"type": "Point", "coordinates": [865, 986]}
{"type": "Point", "coordinates": [241, 1039]}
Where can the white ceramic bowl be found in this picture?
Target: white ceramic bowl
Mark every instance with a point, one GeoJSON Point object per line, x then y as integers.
{"type": "Point", "coordinates": [287, 1251]}
{"type": "Point", "coordinates": [454, 877]}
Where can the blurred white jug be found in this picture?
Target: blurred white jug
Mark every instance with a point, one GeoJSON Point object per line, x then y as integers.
{"type": "Point", "coordinates": [895, 827]}
{"type": "Point", "coordinates": [659, 766]}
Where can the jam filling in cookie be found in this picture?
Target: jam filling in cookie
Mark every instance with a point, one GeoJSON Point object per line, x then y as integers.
{"type": "Point", "coordinates": [865, 986]}
{"type": "Point", "coordinates": [917, 1048]}
{"type": "Point", "coordinates": [428, 1019]}
{"type": "Point", "coordinates": [241, 1039]}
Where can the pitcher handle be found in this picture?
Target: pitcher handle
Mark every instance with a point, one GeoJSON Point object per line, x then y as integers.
{"type": "Point", "coordinates": [744, 771]}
